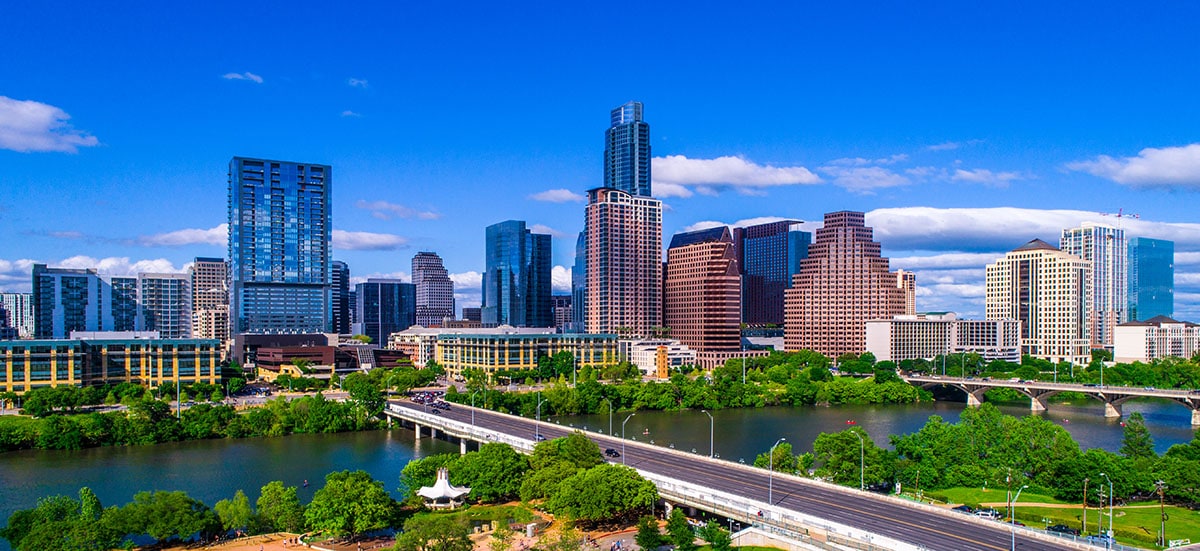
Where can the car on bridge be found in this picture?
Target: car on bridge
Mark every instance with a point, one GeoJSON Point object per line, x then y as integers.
{"type": "Point", "coordinates": [1062, 529]}
{"type": "Point", "coordinates": [612, 453]}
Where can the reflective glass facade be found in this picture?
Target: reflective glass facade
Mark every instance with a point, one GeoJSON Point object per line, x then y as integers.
{"type": "Point", "coordinates": [769, 255]}
{"type": "Point", "coordinates": [1151, 278]}
{"type": "Point", "coordinates": [385, 306]}
{"type": "Point", "coordinates": [66, 300]}
{"type": "Point", "coordinates": [627, 151]}
{"type": "Point", "coordinates": [279, 233]}
{"type": "Point", "coordinates": [516, 281]}
{"type": "Point", "coordinates": [339, 288]}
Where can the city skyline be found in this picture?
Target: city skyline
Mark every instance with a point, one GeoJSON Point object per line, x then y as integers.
{"type": "Point", "coordinates": [959, 146]}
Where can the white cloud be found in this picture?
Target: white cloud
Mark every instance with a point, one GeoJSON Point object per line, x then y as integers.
{"type": "Point", "coordinates": [560, 279]}
{"type": "Point", "coordinates": [558, 196]}
{"type": "Point", "coordinates": [243, 76]}
{"type": "Point", "coordinates": [859, 161]}
{"type": "Point", "coordinates": [1187, 258]}
{"type": "Point", "coordinates": [468, 289]}
{"type": "Point", "coordinates": [1002, 228]}
{"type": "Point", "coordinates": [366, 241]}
{"type": "Point", "coordinates": [29, 126]}
{"type": "Point", "coordinates": [984, 176]}
{"type": "Point", "coordinates": [1187, 279]}
{"type": "Point", "coordinates": [216, 235]}
{"type": "Point", "coordinates": [385, 210]}
{"type": "Point", "coordinates": [541, 228]}
{"type": "Point", "coordinates": [119, 265]}
{"type": "Point", "coordinates": [1167, 167]}
{"type": "Point", "coordinates": [863, 179]}
{"type": "Point", "coordinates": [349, 113]}
{"type": "Point", "coordinates": [703, 225]}
{"type": "Point", "coordinates": [357, 82]}
{"type": "Point", "coordinates": [674, 175]}
{"type": "Point", "coordinates": [944, 261]}
{"type": "Point", "coordinates": [944, 146]}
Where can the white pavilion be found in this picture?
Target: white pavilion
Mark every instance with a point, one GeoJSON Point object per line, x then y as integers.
{"type": "Point", "coordinates": [442, 495]}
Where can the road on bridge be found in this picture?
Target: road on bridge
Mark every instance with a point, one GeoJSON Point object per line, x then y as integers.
{"type": "Point", "coordinates": [909, 523]}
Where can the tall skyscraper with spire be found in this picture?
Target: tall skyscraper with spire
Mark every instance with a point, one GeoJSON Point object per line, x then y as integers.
{"type": "Point", "coordinates": [622, 235]}
{"type": "Point", "coordinates": [627, 151]}
{"type": "Point", "coordinates": [435, 291]}
{"type": "Point", "coordinates": [1105, 247]}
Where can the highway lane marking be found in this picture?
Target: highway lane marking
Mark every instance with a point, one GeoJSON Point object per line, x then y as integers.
{"type": "Point", "coordinates": [523, 424]}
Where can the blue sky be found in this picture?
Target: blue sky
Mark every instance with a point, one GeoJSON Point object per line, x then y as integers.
{"type": "Point", "coordinates": [962, 130]}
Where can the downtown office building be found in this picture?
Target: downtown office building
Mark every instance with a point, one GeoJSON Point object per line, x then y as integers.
{"type": "Point", "coordinates": [768, 256]}
{"type": "Point", "coordinates": [1047, 291]}
{"type": "Point", "coordinates": [516, 278]}
{"type": "Point", "coordinates": [844, 282]}
{"type": "Point", "coordinates": [702, 294]}
{"type": "Point", "coordinates": [1106, 248]}
{"type": "Point", "coordinates": [279, 234]}
{"type": "Point", "coordinates": [1151, 278]}
{"type": "Point", "coordinates": [435, 290]}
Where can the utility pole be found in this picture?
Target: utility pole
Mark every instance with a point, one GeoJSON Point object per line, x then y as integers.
{"type": "Point", "coordinates": [1161, 487]}
{"type": "Point", "coordinates": [1085, 483]}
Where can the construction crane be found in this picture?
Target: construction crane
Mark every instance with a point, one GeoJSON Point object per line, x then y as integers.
{"type": "Point", "coordinates": [1120, 216]}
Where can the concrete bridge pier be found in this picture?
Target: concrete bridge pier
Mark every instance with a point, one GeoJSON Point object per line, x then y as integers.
{"type": "Point", "coordinates": [462, 446]}
{"type": "Point", "coordinates": [975, 400]}
{"type": "Point", "coordinates": [417, 430]}
{"type": "Point", "coordinates": [1196, 417]}
{"type": "Point", "coordinates": [1037, 404]}
{"type": "Point", "coordinates": [1112, 410]}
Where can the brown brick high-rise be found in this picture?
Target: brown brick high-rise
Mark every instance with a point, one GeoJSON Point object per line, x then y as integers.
{"type": "Point", "coordinates": [701, 303]}
{"type": "Point", "coordinates": [843, 283]}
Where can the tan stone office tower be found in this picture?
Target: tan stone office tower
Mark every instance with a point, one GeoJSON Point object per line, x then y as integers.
{"type": "Point", "coordinates": [1047, 290]}
{"type": "Point", "coordinates": [844, 282]}
{"type": "Point", "coordinates": [624, 263]}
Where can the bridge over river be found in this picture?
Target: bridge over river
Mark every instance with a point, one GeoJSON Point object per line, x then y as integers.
{"type": "Point", "coordinates": [1039, 391]}
{"type": "Point", "coordinates": [814, 514]}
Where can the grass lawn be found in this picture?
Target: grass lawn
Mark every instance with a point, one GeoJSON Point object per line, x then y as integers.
{"type": "Point", "coordinates": [1135, 524]}
{"type": "Point", "coordinates": [991, 495]}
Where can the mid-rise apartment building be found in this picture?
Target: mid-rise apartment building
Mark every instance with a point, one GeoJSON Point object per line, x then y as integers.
{"type": "Point", "coordinates": [927, 336]}
{"type": "Point", "coordinates": [1047, 291]}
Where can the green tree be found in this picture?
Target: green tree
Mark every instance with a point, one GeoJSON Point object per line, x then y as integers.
{"type": "Point", "coordinates": [279, 508]}
{"type": "Point", "coordinates": [365, 394]}
{"type": "Point", "coordinates": [717, 537]}
{"type": "Point", "coordinates": [351, 502]}
{"type": "Point", "coordinates": [575, 448]}
{"type": "Point", "coordinates": [423, 472]}
{"type": "Point", "coordinates": [602, 492]}
{"type": "Point", "coordinates": [493, 473]}
{"type": "Point", "coordinates": [1136, 441]}
{"type": "Point", "coordinates": [781, 461]}
{"type": "Point", "coordinates": [169, 516]}
{"type": "Point", "coordinates": [648, 534]}
{"type": "Point", "coordinates": [235, 514]}
{"type": "Point", "coordinates": [679, 532]}
{"type": "Point", "coordinates": [365, 339]}
{"type": "Point", "coordinates": [435, 533]}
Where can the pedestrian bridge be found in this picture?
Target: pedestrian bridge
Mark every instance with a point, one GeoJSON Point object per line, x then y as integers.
{"type": "Point", "coordinates": [811, 515]}
{"type": "Point", "coordinates": [1038, 392]}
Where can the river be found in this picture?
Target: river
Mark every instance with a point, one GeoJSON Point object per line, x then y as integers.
{"type": "Point", "coordinates": [211, 470]}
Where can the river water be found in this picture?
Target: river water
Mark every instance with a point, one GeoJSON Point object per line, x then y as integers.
{"type": "Point", "coordinates": [212, 470]}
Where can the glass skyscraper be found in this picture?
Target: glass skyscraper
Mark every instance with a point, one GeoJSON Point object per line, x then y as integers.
{"type": "Point", "coordinates": [66, 300]}
{"type": "Point", "coordinates": [384, 306]}
{"type": "Point", "coordinates": [279, 233]}
{"type": "Point", "coordinates": [1107, 249]}
{"type": "Point", "coordinates": [1151, 278]}
{"type": "Point", "coordinates": [516, 282]}
{"type": "Point", "coordinates": [768, 256]}
{"type": "Point", "coordinates": [627, 151]}
{"type": "Point", "coordinates": [579, 285]}
{"type": "Point", "coordinates": [339, 288]}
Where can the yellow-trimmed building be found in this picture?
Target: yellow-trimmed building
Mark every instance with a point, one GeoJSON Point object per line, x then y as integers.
{"type": "Point", "coordinates": [26, 365]}
{"type": "Point", "coordinates": [493, 352]}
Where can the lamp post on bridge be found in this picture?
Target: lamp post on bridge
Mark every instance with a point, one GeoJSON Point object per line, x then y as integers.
{"type": "Point", "coordinates": [1012, 518]}
{"type": "Point", "coordinates": [771, 472]}
{"type": "Point", "coordinates": [627, 418]}
{"type": "Point", "coordinates": [610, 412]}
{"type": "Point", "coordinates": [473, 407]}
{"type": "Point", "coordinates": [711, 426]}
{"type": "Point", "coordinates": [537, 426]}
{"type": "Point", "coordinates": [862, 465]}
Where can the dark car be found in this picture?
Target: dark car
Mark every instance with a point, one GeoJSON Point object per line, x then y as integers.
{"type": "Point", "coordinates": [964, 509]}
{"type": "Point", "coordinates": [612, 453]}
{"type": "Point", "coordinates": [1062, 529]}
{"type": "Point", "coordinates": [540, 437]}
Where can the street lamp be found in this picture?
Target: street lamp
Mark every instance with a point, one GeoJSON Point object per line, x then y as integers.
{"type": "Point", "coordinates": [1085, 485]}
{"type": "Point", "coordinates": [1108, 541]}
{"type": "Point", "coordinates": [712, 424]}
{"type": "Point", "coordinates": [610, 412]}
{"type": "Point", "coordinates": [771, 472]}
{"type": "Point", "coordinates": [473, 407]}
{"type": "Point", "coordinates": [1160, 487]}
{"type": "Point", "coordinates": [623, 436]}
{"type": "Point", "coordinates": [743, 364]}
{"type": "Point", "coordinates": [1012, 518]}
{"type": "Point", "coordinates": [538, 424]}
{"type": "Point", "coordinates": [862, 464]}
